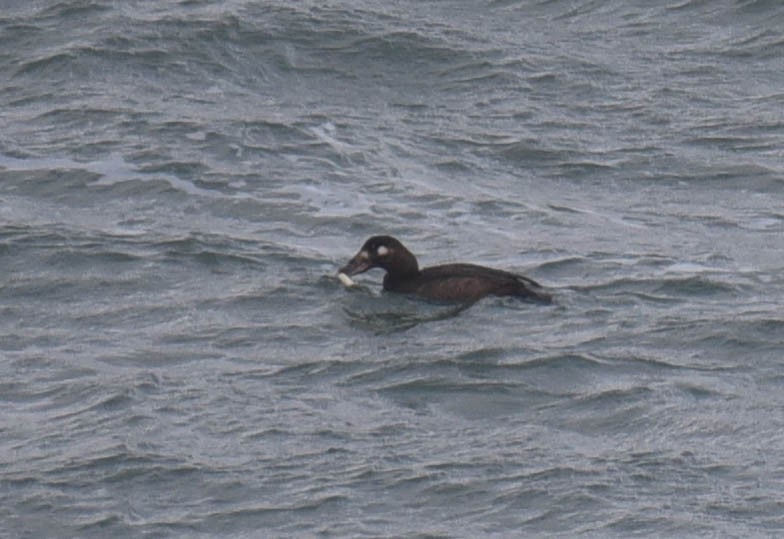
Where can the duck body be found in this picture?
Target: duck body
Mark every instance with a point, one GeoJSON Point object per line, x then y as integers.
{"type": "Point", "coordinates": [464, 283]}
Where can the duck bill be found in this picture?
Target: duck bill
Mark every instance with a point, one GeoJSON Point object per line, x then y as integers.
{"type": "Point", "coordinates": [359, 264]}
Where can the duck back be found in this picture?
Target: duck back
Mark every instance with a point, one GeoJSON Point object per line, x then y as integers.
{"type": "Point", "coordinates": [466, 283]}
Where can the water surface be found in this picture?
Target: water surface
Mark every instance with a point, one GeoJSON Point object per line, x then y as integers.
{"type": "Point", "coordinates": [179, 183]}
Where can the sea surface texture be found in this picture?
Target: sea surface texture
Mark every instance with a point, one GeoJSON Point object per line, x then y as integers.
{"type": "Point", "coordinates": [180, 182]}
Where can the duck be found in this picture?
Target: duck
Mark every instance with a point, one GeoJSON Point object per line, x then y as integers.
{"type": "Point", "coordinates": [453, 283]}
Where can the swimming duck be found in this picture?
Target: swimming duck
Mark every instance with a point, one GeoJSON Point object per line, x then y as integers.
{"type": "Point", "coordinates": [465, 283]}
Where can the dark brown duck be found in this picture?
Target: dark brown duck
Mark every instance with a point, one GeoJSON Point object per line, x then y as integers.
{"type": "Point", "coordinates": [464, 283]}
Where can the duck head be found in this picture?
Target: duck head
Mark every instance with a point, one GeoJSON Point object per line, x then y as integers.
{"type": "Point", "coordinates": [383, 252]}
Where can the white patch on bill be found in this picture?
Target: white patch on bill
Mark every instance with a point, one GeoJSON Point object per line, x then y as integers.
{"type": "Point", "coordinates": [346, 280]}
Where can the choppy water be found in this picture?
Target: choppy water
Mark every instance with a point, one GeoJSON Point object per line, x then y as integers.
{"type": "Point", "coordinates": [179, 182]}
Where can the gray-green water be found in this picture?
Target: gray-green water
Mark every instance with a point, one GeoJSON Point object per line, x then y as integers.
{"type": "Point", "coordinates": [179, 182]}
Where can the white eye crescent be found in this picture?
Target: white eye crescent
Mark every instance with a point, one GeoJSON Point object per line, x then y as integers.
{"type": "Point", "coordinates": [382, 251]}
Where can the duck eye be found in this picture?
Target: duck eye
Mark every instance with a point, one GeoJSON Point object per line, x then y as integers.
{"type": "Point", "coordinates": [382, 250]}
